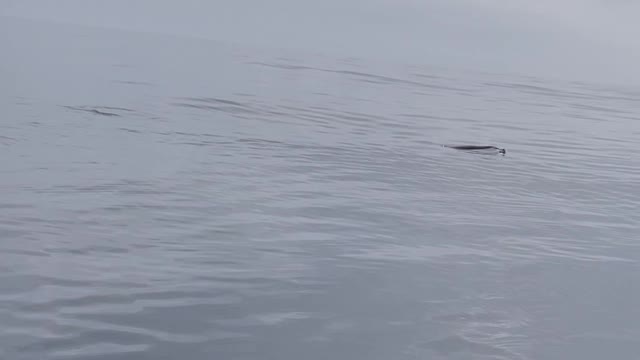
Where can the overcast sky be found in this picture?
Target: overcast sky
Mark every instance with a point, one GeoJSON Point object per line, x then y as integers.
{"type": "Point", "coordinates": [583, 38]}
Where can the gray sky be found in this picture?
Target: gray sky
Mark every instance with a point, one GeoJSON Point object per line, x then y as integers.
{"type": "Point", "coordinates": [591, 39]}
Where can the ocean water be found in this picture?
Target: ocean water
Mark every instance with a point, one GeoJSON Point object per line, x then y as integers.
{"type": "Point", "coordinates": [174, 198]}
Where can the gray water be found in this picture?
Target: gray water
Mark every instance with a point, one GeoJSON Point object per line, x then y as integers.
{"type": "Point", "coordinates": [168, 198]}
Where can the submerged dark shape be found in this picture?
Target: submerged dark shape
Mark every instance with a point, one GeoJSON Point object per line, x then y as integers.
{"type": "Point", "coordinates": [477, 147]}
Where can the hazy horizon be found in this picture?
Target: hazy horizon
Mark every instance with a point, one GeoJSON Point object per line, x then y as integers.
{"type": "Point", "coordinates": [586, 40]}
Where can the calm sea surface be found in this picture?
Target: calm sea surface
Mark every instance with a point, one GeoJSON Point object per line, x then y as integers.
{"type": "Point", "coordinates": [167, 198]}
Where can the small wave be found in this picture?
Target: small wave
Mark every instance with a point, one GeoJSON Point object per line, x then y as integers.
{"type": "Point", "coordinates": [99, 110]}
{"type": "Point", "coordinates": [131, 82]}
{"type": "Point", "coordinates": [367, 77]}
{"type": "Point", "coordinates": [216, 104]}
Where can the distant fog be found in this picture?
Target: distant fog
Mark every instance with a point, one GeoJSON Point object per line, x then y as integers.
{"type": "Point", "coordinates": [582, 39]}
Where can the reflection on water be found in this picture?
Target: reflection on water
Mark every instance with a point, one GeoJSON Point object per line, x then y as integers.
{"type": "Point", "coordinates": [244, 206]}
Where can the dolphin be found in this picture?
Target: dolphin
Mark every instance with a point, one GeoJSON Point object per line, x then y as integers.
{"type": "Point", "coordinates": [477, 147]}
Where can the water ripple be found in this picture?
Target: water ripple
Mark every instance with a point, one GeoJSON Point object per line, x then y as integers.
{"type": "Point", "coordinates": [307, 209]}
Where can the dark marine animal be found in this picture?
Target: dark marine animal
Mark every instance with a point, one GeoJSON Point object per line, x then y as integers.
{"type": "Point", "coordinates": [477, 148]}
